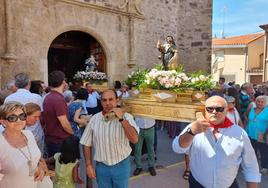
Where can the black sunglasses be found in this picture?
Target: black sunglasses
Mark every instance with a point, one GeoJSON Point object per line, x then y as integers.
{"type": "Point", "coordinates": [217, 109]}
{"type": "Point", "coordinates": [14, 118]}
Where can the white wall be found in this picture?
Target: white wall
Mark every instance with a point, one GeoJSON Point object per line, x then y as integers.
{"type": "Point", "coordinates": [234, 64]}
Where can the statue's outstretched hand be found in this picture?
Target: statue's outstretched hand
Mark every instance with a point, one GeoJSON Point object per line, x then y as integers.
{"type": "Point", "coordinates": [158, 43]}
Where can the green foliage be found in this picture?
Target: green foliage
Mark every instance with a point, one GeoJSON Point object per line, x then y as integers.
{"type": "Point", "coordinates": [159, 66]}
{"type": "Point", "coordinates": [137, 78]}
{"type": "Point", "coordinates": [200, 80]}
{"type": "Point", "coordinates": [180, 68]}
{"type": "Point", "coordinates": [175, 80]}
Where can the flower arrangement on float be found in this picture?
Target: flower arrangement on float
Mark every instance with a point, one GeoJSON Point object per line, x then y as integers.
{"type": "Point", "coordinates": [176, 81]}
{"type": "Point", "coordinates": [90, 76]}
{"type": "Point", "coordinates": [161, 79]}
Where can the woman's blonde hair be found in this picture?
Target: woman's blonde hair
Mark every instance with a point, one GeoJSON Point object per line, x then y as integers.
{"type": "Point", "coordinates": [9, 107]}
{"type": "Point", "coordinates": [31, 108]}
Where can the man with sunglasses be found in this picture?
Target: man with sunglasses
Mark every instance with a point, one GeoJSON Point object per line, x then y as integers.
{"type": "Point", "coordinates": [217, 147]}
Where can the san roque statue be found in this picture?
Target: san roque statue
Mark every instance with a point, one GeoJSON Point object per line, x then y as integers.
{"type": "Point", "coordinates": [169, 53]}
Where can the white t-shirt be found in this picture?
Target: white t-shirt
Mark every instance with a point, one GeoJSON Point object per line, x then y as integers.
{"type": "Point", "coordinates": [92, 101]}
{"type": "Point", "coordinates": [144, 123]}
{"type": "Point", "coordinates": [24, 96]}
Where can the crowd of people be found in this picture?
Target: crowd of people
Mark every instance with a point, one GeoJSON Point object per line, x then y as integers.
{"type": "Point", "coordinates": [56, 128]}
{"type": "Point", "coordinates": [82, 134]}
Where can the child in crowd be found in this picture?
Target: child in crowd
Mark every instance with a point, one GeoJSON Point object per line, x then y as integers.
{"type": "Point", "coordinates": [33, 112]}
{"type": "Point", "coordinates": [66, 164]}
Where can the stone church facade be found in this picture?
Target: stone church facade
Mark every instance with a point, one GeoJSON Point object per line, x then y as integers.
{"type": "Point", "coordinates": [126, 30]}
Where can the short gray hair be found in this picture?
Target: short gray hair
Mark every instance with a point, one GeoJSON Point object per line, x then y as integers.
{"type": "Point", "coordinates": [246, 85]}
{"type": "Point", "coordinates": [263, 97]}
{"type": "Point", "coordinates": [68, 95]}
{"type": "Point", "coordinates": [10, 84]}
{"type": "Point", "coordinates": [22, 80]}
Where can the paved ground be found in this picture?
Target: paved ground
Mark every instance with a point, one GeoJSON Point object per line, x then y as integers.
{"type": "Point", "coordinates": [170, 167]}
{"type": "Point", "coordinates": [170, 175]}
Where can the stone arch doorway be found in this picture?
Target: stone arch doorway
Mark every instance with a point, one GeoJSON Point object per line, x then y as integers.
{"type": "Point", "coordinates": [69, 50]}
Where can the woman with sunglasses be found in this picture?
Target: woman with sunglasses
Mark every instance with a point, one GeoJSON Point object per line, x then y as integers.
{"type": "Point", "coordinates": [19, 153]}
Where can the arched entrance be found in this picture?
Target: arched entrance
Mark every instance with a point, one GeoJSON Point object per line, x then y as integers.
{"type": "Point", "coordinates": [69, 50]}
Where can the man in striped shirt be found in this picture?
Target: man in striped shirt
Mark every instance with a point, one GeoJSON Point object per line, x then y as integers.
{"type": "Point", "coordinates": [110, 139]}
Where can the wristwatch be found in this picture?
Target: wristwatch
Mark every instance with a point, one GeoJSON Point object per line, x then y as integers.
{"type": "Point", "coordinates": [189, 131]}
{"type": "Point", "coordinates": [121, 119]}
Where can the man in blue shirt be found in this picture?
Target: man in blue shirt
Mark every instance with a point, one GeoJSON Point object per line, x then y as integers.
{"type": "Point", "coordinates": [217, 147]}
{"type": "Point", "coordinates": [92, 100]}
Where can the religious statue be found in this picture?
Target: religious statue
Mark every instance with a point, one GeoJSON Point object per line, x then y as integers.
{"type": "Point", "coordinates": [169, 53]}
{"type": "Point", "coordinates": [91, 63]}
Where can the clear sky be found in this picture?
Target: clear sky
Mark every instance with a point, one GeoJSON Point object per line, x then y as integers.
{"type": "Point", "coordinates": [240, 16]}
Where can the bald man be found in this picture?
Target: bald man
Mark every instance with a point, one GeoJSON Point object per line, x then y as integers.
{"type": "Point", "coordinates": [217, 147]}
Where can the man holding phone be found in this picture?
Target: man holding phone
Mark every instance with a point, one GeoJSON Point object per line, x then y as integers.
{"type": "Point", "coordinates": [217, 147]}
{"type": "Point", "coordinates": [110, 138]}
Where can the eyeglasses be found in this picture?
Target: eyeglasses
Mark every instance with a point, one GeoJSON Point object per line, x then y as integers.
{"type": "Point", "coordinates": [217, 109]}
{"type": "Point", "coordinates": [14, 118]}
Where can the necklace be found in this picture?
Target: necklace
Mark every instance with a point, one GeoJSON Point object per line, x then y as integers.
{"type": "Point", "coordinates": [28, 158]}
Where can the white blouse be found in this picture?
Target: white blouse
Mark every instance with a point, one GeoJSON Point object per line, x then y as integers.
{"type": "Point", "coordinates": [13, 164]}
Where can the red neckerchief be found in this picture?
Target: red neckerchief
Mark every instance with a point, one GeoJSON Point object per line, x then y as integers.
{"type": "Point", "coordinates": [230, 109]}
{"type": "Point", "coordinates": [103, 113]}
{"type": "Point", "coordinates": [227, 123]}
{"type": "Point", "coordinates": [90, 92]}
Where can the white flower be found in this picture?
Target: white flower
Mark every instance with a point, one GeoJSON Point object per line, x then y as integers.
{"type": "Point", "coordinates": [202, 78]}
{"type": "Point", "coordinates": [177, 82]}
{"type": "Point", "coordinates": [86, 75]}
{"type": "Point", "coordinates": [147, 81]}
{"type": "Point", "coordinates": [193, 80]}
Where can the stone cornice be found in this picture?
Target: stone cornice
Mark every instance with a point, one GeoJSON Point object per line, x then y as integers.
{"type": "Point", "coordinates": [103, 8]}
